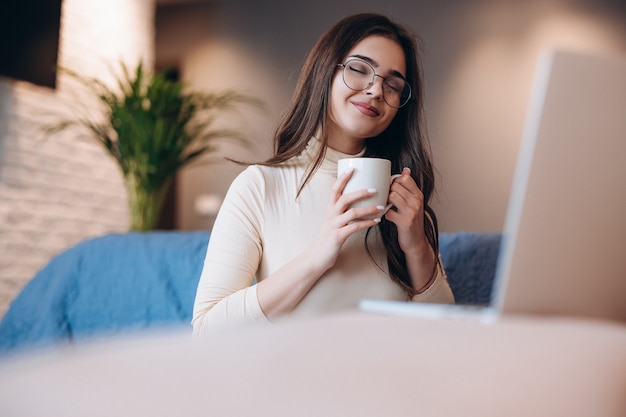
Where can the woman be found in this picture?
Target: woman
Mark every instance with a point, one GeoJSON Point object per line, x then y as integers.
{"type": "Point", "coordinates": [285, 222]}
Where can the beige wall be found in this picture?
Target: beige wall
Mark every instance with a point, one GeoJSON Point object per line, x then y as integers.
{"type": "Point", "coordinates": [479, 60]}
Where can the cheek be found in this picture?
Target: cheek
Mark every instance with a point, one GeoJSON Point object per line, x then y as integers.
{"type": "Point", "coordinates": [337, 97]}
{"type": "Point", "coordinates": [388, 118]}
{"type": "Point", "coordinates": [337, 90]}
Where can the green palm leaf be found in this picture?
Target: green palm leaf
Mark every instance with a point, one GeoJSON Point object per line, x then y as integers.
{"type": "Point", "coordinates": [152, 127]}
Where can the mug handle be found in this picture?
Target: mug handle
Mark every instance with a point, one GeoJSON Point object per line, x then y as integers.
{"type": "Point", "coordinates": [388, 206]}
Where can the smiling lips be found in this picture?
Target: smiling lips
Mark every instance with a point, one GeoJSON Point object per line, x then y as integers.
{"type": "Point", "coordinates": [366, 109]}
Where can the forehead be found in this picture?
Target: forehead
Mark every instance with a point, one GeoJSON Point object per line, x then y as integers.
{"type": "Point", "coordinates": [383, 53]}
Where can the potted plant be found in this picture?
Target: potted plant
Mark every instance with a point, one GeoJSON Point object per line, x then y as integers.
{"type": "Point", "coordinates": [153, 127]}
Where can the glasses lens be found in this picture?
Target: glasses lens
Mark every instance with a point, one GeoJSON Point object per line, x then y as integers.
{"type": "Point", "coordinates": [359, 75]}
{"type": "Point", "coordinates": [396, 91]}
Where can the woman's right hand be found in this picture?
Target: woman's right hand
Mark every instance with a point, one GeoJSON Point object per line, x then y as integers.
{"type": "Point", "coordinates": [284, 289]}
{"type": "Point", "coordinates": [341, 221]}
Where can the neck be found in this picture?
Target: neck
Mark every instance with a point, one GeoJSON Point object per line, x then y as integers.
{"type": "Point", "coordinates": [348, 147]}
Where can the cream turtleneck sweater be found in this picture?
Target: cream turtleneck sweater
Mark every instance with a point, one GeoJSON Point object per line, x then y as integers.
{"type": "Point", "coordinates": [262, 225]}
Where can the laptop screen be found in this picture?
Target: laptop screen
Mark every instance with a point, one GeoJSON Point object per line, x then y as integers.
{"type": "Point", "coordinates": [564, 243]}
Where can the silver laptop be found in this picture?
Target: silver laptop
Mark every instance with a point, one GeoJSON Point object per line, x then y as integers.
{"type": "Point", "coordinates": [564, 240]}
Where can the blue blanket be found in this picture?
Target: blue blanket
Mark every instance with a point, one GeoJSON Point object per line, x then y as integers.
{"type": "Point", "coordinates": [470, 261]}
{"type": "Point", "coordinates": [132, 281]}
{"type": "Point", "coordinates": [108, 284]}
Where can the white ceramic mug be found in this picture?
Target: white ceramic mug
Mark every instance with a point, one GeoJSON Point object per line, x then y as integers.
{"type": "Point", "coordinates": [369, 173]}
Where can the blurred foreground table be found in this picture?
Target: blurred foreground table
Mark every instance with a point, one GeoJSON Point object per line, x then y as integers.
{"type": "Point", "coordinates": [353, 364]}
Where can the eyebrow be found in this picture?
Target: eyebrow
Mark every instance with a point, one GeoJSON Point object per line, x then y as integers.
{"type": "Point", "coordinates": [375, 64]}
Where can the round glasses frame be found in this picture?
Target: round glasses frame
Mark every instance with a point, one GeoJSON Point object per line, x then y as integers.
{"type": "Point", "coordinates": [405, 94]}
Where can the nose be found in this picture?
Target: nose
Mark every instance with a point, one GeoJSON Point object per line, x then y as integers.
{"type": "Point", "coordinates": [376, 88]}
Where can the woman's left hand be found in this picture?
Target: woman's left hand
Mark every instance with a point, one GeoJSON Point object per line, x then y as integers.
{"type": "Point", "coordinates": [407, 213]}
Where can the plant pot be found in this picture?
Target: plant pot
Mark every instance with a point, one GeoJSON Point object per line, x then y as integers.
{"type": "Point", "coordinates": [145, 203]}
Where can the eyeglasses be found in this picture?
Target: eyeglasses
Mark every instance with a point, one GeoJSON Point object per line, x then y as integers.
{"type": "Point", "coordinates": [359, 75]}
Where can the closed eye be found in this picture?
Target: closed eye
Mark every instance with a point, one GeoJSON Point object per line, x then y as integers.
{"type": "Point", "coordinates": [361, 69]}
{"type": "Point", "coordinates": [395, 84]}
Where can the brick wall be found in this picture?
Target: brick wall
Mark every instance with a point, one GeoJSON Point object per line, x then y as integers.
{"type": "Point", "coordinates": [57, 191]}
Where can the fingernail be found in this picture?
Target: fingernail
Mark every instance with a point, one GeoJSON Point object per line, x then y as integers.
{"type": "Point", "coordinates": [406, 169]}
{"type": "Point", "coordinates": [348, 170]}
{"type": "Point", "coordinates": [380, 208]}
{"type": "Point", "coordinates": [376, 219]}
{"type": "Point", "coordinates": [371, 190]}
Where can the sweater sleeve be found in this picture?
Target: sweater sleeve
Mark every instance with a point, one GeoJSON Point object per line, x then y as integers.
{"type": "Point", "coordinates": [439, 291]}
{"type": "Point", "coordinates": [226, 292]}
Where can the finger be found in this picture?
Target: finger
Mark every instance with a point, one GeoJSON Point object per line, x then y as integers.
{"type": "Point", "coordinates": [340, 184]}
{"type": "Point", "coordinates": [348, 199]}
{"type": "Point", "coordinates": [406, 202]}
{"type": "Point", "coordinates": [356, 214]}
{"type": "Point", "coordinates": [357, 225]}
{"type": "Point", "coordinates": [405, 181]}
{"type": "Point", "coordinates": [406, 195]}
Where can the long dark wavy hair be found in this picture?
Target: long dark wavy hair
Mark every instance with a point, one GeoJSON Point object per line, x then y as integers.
{"type": "Point", "coordinates": [404, 142]}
